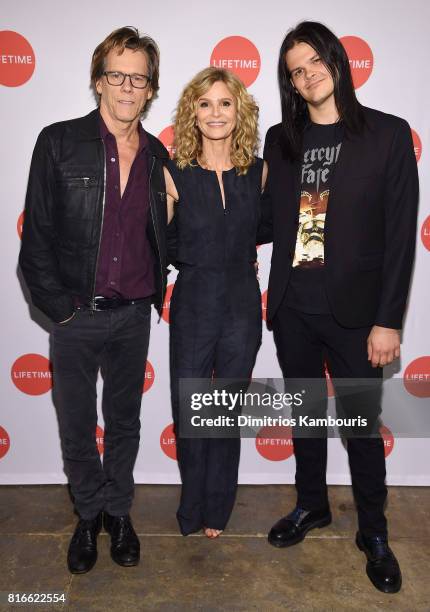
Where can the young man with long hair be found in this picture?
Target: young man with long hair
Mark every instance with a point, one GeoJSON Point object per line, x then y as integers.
{"type": "Point", "coordinates": [341, 208]}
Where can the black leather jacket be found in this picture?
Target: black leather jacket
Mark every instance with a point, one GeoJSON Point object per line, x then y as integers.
{"type": "Point", "coordinates": [64, 215]}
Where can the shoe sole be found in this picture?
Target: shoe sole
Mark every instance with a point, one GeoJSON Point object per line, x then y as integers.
{"type": "Point", "coordinates": [386, 589]}
{"type": "Point", "coordinates": [317, 524]}
{"type": "Point", "coordinates": [73, 571]}
{"type": "Point", "coordinates": [130, 564]}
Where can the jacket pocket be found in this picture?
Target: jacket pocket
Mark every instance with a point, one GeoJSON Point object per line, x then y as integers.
{"type": "Point", "coordinates": [184, 261]}
{"type": "Point", "coordinates": [76, 181]}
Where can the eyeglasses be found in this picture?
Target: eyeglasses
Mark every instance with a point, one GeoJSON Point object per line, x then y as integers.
{"type": "Point", "coordinates": [139, 81]}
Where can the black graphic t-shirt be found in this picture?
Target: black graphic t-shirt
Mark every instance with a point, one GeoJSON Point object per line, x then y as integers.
{"type": "Point", "coordinates": [321, 149]}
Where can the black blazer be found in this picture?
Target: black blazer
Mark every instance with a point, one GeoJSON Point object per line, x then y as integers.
{"type": "Point", "coordinates": [370, 227]}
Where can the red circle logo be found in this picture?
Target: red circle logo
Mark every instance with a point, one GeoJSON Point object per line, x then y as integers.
{"type": "Point", "coordinates": [4, 442]}
{"type": "Point", "coordinates": [19, 224]}
{"type": "Point", "coordinates": [167, 137]}
{"type": "Point", "coordinates": [100, 439]}
{"type": "Point", "coordinates": [165, 313]}
{"type": "Point", "coordinates": [417, 377]}
{"type": "Point", "coordinates": [238, 55]}
{"type": "Point", "coordinates": [17, 60]}
{"type": "Point", "coordinates": [32, 374]}
{"type": "Point", "coordinates": [168, 442]}
{"type": "Point", "coordinates": [417, 145]}
{"type": "Point", "coordinates": [275, 443]}
{"type": "Point", "coordinates": [425, 233]}
{"type": "Point", "coordinates": [360, 59]}
{"type": "Point", "coordinates": [149, 377]}
{"type": "Point", "coordinates": [388, 439]}
{"type": "Point", "coordinates": [264, 305]}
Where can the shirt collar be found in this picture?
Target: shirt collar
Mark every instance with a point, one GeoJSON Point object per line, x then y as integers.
{"type": "Point", "coordinates": [143, 138]}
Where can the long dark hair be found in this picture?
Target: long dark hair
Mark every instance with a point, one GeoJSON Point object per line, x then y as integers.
{"type": "Point", "coordinates": [295, 114]}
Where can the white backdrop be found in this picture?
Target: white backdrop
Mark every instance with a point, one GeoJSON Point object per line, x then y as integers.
{"type": "Point", "coordinates": [62, 36]}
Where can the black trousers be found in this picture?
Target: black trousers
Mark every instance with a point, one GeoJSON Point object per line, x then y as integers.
{"type": "Point", "coordinates": [116, 341]}
{"type": "Point", "coordinates": [215, 328]}
{"type": "Point", "coordinates": [304, 342]}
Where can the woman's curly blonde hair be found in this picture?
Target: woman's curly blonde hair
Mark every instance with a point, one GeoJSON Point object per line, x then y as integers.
{"type": "Point", "coordinates": [188, 139]}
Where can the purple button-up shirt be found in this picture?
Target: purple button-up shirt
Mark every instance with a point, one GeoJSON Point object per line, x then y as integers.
{"type": "Point", "coordinates": [126, 260]}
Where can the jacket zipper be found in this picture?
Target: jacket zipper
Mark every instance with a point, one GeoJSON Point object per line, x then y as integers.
{"type": "Point", "coordinates": [153, 216]}
{"type": "Point", "coordinates": [93, 301]}
{"type": "Point", "coordinates": [77, 179]}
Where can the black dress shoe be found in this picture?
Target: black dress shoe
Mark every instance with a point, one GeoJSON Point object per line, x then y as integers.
{"type": "Point", "coordinates": [125, 545]}
{"type": "Point", "coordinates": [82, 553]}
{"type": "Point", "coordinates": [292, 528]}
{"type": "Point", "coordinates": [382, 566]}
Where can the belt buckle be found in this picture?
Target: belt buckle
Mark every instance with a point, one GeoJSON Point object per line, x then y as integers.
{"type": "Point", "coordinates": [99, 303]}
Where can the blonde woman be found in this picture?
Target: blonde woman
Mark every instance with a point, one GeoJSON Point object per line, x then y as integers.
{"type": "Point", "coordinates": [213, 189]}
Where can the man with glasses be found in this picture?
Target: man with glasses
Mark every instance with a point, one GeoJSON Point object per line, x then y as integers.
{"type": "Point", "coordinates": [94, 257]}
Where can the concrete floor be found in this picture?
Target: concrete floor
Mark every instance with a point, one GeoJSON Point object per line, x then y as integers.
{"type": "Point", "coordinates": [239, 571]}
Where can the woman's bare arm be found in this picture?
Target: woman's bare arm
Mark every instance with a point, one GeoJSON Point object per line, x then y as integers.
{"type": "Point", "coordinates": [172, 194]}
{"type": "Point", "coordinates": [264, 175]}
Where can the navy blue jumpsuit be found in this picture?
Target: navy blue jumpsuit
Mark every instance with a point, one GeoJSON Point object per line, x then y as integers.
{"type": "Point", "coordinates": [215, 322]}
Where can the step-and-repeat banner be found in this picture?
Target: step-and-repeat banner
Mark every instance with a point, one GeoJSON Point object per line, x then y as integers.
{"type": "Point", "coordinates": [45, 53]}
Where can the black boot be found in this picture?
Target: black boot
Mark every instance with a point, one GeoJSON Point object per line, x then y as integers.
{"type": "Point", "coordinates": [82, 553]}
{"type": "Point", "coordinates": [292, 528]}
{"type": "Point", "coordinates": [125, 545]}
{"type": "Point", "coordinates": [382, 566]}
